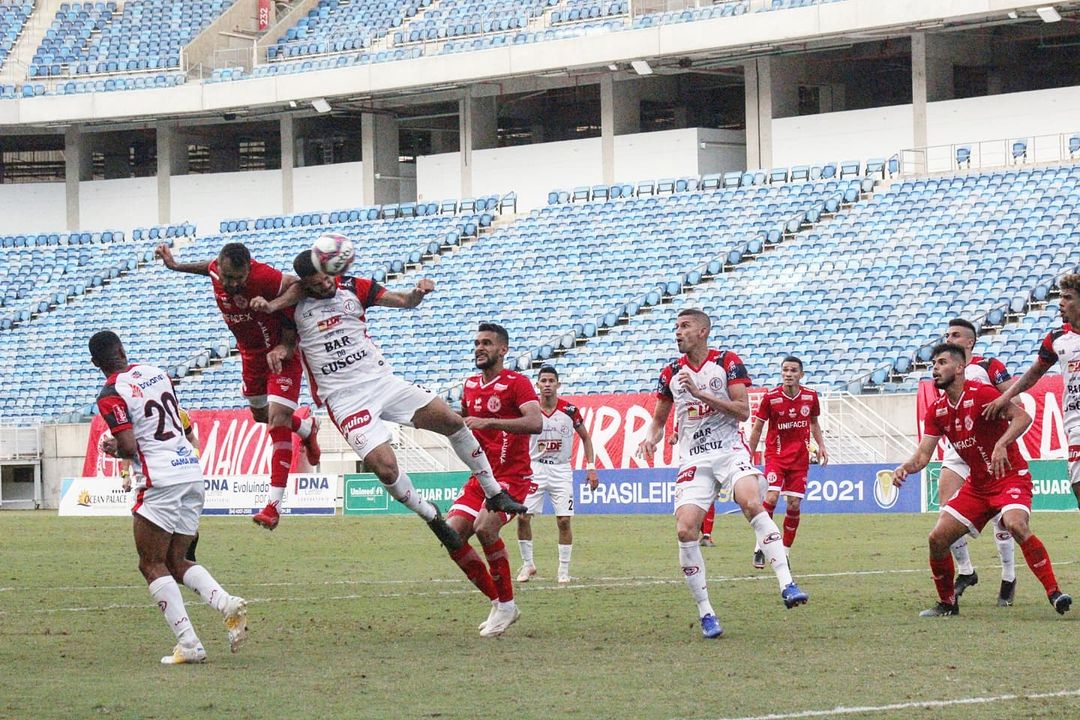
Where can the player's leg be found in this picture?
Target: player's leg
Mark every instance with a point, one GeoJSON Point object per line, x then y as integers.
{"type": "Point", "coordinates": [1015, 519]}
{"type": "Point", "coordinates": [707, 528]}
{"type": "Point", "coordinates": [435, 415]}
{"type": "Point", "coordinates": [190, 554]}
{"type": "Point", "coordinates": [153, 519]}
{"type": "Point", "coordinates": [747, 491]}
{"type": "Point", "coordinates": [534, 502]}
{"type": "Point", "coordinates": [561, 487]}
{"type": "Point", "coordinates": [951, 478]}
{"type": "Point", "coordinates": [462, 519]}
{"type": "Point", "coordinates": [1074, 463]}
{"type": "Point", "coordinates": [688, 517]}
{"type": "Point", "coordinates": [566, 547]}
{"type": "Point", "coordinates": [1007, 552]}
{"type": "Point", "coordinates": [282, 397]}
{"type": "Point", "coordinates": [949, 526]}
{"type": "Point", "coordinates": [506, 612]}
{"type": "Point", "coordinates": [772, 496]}
{"type": "Point", "coordinates": [794, 492]}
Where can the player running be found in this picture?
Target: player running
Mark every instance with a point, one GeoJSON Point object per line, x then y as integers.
{"type": "Point", "coordinates": [553, 476]}
{"type": "Point", "coordinates": [792, 413]}
{"type": "Point", "coordinates": [273, 395]}
{"type": "Point", "coordinates": [989, 371]}
{"type": "Point", "coordinates": [501, 407]}
{"type": "Point", "coordinates": [999, 482]}
{"type": "Point", "coordinates": [139, 406]}
{"type": "Point", "coordinates": [708, 389]}
{"type": "Point", "coordinates": [1061, 346]}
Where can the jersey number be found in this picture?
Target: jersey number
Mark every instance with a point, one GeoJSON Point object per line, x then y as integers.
{"type": "Point", "coordinates": [167, 408]}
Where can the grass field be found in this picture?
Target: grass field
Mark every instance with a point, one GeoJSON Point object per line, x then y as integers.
{"type": "Point", "coordinates": [368, 618]}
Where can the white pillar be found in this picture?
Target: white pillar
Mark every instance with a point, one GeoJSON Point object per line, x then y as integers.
{"type": "Point", "coordinates": [918, 93]}
{"type": "Point", "coordinates": [288, 161]}
{"type": "Point", "coordinates": [379, 140]}
{"type": "Point", "coordinates": [757, 78]}
{"type": "Point", "coordinates": [77, 167]}
{"type": "Point", "coordinates": [607, 128]}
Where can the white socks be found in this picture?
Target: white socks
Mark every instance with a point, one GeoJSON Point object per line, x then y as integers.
{"type": "Point", "coordinates": [693, 567]}
{"type": "Point", "coordinates": [202, 582]}
{"type": "Point", "coordinates": [961, 556]}
{"type": "Point", "coordinates": [276, 494]}
{"type": "Point", "coordinates": [768, 539]}
{"type": "Point", "coordinates": [468, 449]}
{"type": "Point", "coordinates": [166, 594]}
{"type": "Point", "coordinates": [526, 552]}
{"type": "Point", "coordinates": [564, 558]}
{"type": "Point", "coordinates": [1006, 549]}
{"type": "Point", "coordinates": [403, 491]}
{"type": "Point", "coordinates": [303, 428]}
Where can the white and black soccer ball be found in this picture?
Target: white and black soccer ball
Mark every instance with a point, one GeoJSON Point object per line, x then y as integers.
{"type": "Point", "coordinates": [332, 254]}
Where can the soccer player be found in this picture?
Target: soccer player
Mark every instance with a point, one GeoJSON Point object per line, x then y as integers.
{"type": "Point", "coordinates": [710, 517]}
{"type": "Point", "coordinates": [501, 407]}
{"type": "Point", "coordinates": [989, 371]}
{"type": "Point", "coordinates": [273, 396]}
{"type": "Point", "coordinates": [348, 374]}
{"type": "Point", "coordinates": [708, 389]}
{"type": "Point", "coordinates": [999, 481]}
{"type": "Point", "coordinates": [552, 475]}
{"type": "Point", "coordinates": [139, 406]}
{"type": "Point", "coordinates": [1061, 346]}
{"type": "Point", "coordinates": [792, 413]}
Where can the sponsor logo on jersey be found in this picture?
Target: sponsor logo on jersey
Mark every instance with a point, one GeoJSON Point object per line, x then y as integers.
{"type": "Point", "coordinates": [328, 323]}
{"type": "Point", "coordinates": [355, 421]}
{"type": "Point", "coordinates": [686, 474]}
{"type": "Point", "coordinates": [499, 387]}
{"type": "Point", "coordinates": [1074, 453]}
{"type": "Point", "coordinates": [136, 374]}
{"type": "Point", "coordinates": [968, 403]}
{"type": "Point", "coordinates": [791, 412]}
{"type": "Point", "coordinates": [964, 444]}
{"type": "Point", "coordinates": [1073, 366]}
{"type": "Point", "coordinates": [151, 382]}
{"type": "Point", "coordinates": [776, 401]}
{"type": "Point", "coordinates": [334, 365]}
{"type": "Point", "coordinates": [120, 414]}
{"type": "Point", "coordinates": [136, 392]}
{"type": "Point", "coordinates": [549, 446]}
{"type": "Point", "coordinates": [792, 425]}
{"type": "Point", "coordinates": [494, 404]}
{"type": "Point", "coordinates": [237, 318]}
{"type": "Point", "coordinates": [941, 412]}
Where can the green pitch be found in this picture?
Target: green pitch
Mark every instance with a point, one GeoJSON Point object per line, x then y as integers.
{"type": "Point", "coordinates": [368, 618]}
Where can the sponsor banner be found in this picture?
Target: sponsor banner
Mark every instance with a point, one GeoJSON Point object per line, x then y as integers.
{"type": "Point", "coordinates": [230, 441]}
{"type": "Point", "coordinates": [264, 14]}
{"type": "Point", "coordinates": [235, 495]}
{"type": "Point", "coordinates": [1045, 439]}
{"type": "Point", "coordinates": [365, 495]}
{"type": "Point", "coordinates": [1049, 479]}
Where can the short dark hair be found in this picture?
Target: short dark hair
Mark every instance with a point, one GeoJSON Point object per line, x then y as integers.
{"type": "Point", "coordinates": [1070, 282]}
{"type": "Point", "coordinates": [953, 349]}
{"type": "Point", "coordinates": [236, 253]}
{"type": "Point", "coordinates": [550, 369]}
{"type": "Point", "coordinates": [961, 322]}
{"type": "Point", "coordinates": [701, 316]}
{"type": "Point", "coordinates": [303, 265]}
{"type": "Point", "coordinates": [499, 330]}
{"type": "Point", "coordinates": [105, 348]}
{"type": "Point", "coordinates": [791, 358]}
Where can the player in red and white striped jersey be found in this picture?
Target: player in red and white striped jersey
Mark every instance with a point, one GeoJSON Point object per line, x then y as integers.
{"type": "Point", "coordinates": [1060, 346]}
{"type": "Point", "coordinates": [791, 411]}
{"type": "Point", "coordinates": [139, 405]}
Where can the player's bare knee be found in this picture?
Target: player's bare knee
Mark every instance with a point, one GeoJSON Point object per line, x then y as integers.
{"type": "Point", "coordinates": [687, 533]}
{"type": "Point", "coordinates": [793, 503]}
{"type": "Point", "coordinates": [563, 523]}
{"type": "Point", "coordinates": [260, 414]}
{"type": "Point", "coordinates": [1018, 526]}
{"type": "Point", "coordinates": [772, 497]}
{"type": "Point", "coordinates": [279, 416]}
{"type": "Point", "coordinates": [939, 541]}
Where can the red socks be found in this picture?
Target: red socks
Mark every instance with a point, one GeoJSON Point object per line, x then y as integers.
{"type": "Point", "coordinates": [791, 526]}
{"type": "Point", "coordinates": [769, 508]}
{"type": "Point", "coordinates": [1039, 562]}
{"type": "Point", "coordinates": [281, 457]}
{"type": "Point", "coordinates": [707, 523]}
{"type": "Point", "coordinates": [474, 569]}
{"type": "Point", "coordinates": [943, 570]}
{"type": "Point", "coordinates": [499, 562]}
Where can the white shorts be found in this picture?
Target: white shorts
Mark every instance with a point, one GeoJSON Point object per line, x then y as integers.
{"type": "Point", "coordinates": [360, 411]}
{"type": "Point", "coordinates": [173, 508]}
{"type": "Point", "coordinates": [1074, 456]}
{"type": "Point", "coordinates": [699, 483]}
{"type": "Point", "coordinates": [953, 461]}
{"type": "Point", "coordinates": [555, 481]}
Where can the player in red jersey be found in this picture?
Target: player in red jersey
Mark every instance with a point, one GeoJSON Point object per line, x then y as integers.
{"type": "Point", "coordinates": [999, 480]}
{"type": "Point", "coordinates": [501, 408]}
{"type": "Point", "coordinates": [954, 470]}
{"type": "Point", "coordinates": [792, 413]}
{"type": "Point", "coordinates": [139, 406]}
{"type": "Point", "coordinates": [1060, 346]}
{"type": "Point", "coordinates": [273, 397]}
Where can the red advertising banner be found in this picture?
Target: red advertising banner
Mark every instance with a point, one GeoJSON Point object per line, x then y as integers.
{"type": "Point", "coordinates": [231, 443]}
{"type": "Point", "coordinates": [264, 14]}
{"type": "Point", "coordinates": [1045, 439]}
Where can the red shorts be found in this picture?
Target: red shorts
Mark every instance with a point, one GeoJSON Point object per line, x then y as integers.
{"type": "Point", "coordinates": [974, 508]}
{"type": "Point", "coordinates": [262, 386]}
{"type": "Point", "coordinates": [471, 500]}
{"type": "Point", "coordinates": [786, 481]}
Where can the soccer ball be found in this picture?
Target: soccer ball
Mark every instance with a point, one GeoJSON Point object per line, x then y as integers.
{"type": "Point", "coordinates": [332, 254]}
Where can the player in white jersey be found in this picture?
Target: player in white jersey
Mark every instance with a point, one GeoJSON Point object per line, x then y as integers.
{"type": "Point", "coordinates": [139, 406]}
{"type": "Point", "coordinates": [708, 389]}
{"type": "Point", "coordinates": [553, 475]}
{"type": "Point", "coordinates": [348, 374]}
{"type": "Point", "coordinates": [1060, 346]}
{"type": "Point", "coordinates": [954, 471]}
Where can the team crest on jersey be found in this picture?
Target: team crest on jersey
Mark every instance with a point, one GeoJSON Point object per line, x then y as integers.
{"type": "Point", "coordinates": [350, 306]}
{"type": "Point", "coordinates": [565, 431]}
{"type": "Point", "coordinates": [771, 478]}
{"type": "Point", "coordinates": [240, 302]}
{"type": "Point", "coordinates": [716, 384]}
{"type": "Point", "coordinates": [1014, 493]}
{"type": "Point", "coordinates": [968, 423]}
{"type": "Point", "coordinates": [805, 410]}
{"type": "Point", "coordinates": [494, 404]}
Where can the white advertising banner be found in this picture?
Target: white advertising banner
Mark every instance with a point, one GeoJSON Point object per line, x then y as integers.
{"type": "Point", "coordinates": [305, 494]}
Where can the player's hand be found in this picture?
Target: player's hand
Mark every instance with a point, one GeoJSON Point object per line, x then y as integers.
{"type": "Point", "coordinates": [822, 457]}
{"type": "Point", "coordinates": [164, 252]}
{"type": "Point", "coordinates": [126, 484]}
{"type": "Point", "coordinates": [275, 357]}
{"type": "Point", "coordinates": [477, 423]}
{"type": "Point", "coordinates": [899, 476]}
{"type": "Point", "coordinates": [686, 382]}
{"type": "Point", "coordinates": [109, 446]}
{"type": "Point", "coordinates": [592, 478]}
{"type": "Point", "coordinates": [995, 409]}
{"type": "Point", "coordinates": [425, 286]}
{"type": "Point", "coordinates": [259, 304]}
{"type": "Point", "coordinates": [673, 439]}
{"type": "Point", "coordinates": [999, 461]}
{"type": "Point", "coordinates": [647, 449]}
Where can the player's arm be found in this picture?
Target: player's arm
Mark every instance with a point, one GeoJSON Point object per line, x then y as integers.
{"type": "Point", "coordinates": [1027, 381]}
{"type": "Point", "coordinates": [737, 407]}
{"type": "Point", "coordinates": [1019, 421]}
{"type": "Point", "coordinates": [755, 434]}
{"type": "Point", "coordinates": [590, 456]}
{"type": "Point", "coordinates": [284, 350]}
{"type": "Point", "coordinates": [409, 299]}
{"type": "Point", "coordinates": [164, 252]}
{"type": "Point", "coordinates": [647, 447]}
{"type": "Point", "coordinates": [819, 438]}
{"type": "Point", "coordinates": [531, 421]}
{"type": "Point", "coordinates": [290, 293]}
{"type": "Point", "coordinates": [918, 461]}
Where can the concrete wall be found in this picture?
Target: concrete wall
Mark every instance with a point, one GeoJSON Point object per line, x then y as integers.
{"type": "Point", "coordinates": [33, 207]}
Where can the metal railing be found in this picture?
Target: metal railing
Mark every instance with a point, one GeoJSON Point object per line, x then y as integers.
{"type": "Point", "coordinates": [859, 434]}
{"type": "Point", "coordinates": [20, 439]}
{"type": "Point", "coordinates": [991, 154]}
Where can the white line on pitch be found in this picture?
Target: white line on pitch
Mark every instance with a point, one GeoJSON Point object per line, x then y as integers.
{"type": "Point", "coordinates": [914, 705]}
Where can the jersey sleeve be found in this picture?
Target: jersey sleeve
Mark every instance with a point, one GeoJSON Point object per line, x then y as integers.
{"type": "Point", "coordinates": [985, 395]}
{"type": "Point", "coordinates": [575, 415]}
{"type": "Point", "coordinates": [268, 280]}
{"type": "Point", "coordinates": [114, 410]}
{"type": "Point", "coordinates": [996, 371]}
{"type": "Point", "coordinates": [736, 371]}
{"type": "Point", "coordinates": [764, 410]}
{"type": "Point", "coordinates": [523, 391]}
{"type": "Point", "coordinates": [663, 384]}
{"type": "Point", "coordinates": [366, 291]}
{"type": "Point", "coordinates": [1046, 351]}
{"type": "Point", "coordinates": [931, 426]}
